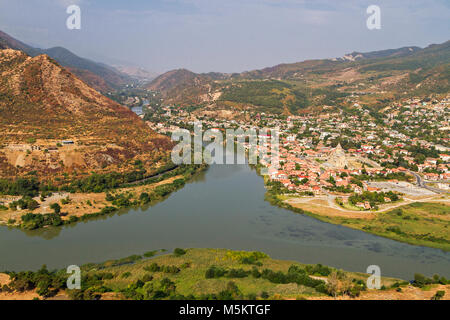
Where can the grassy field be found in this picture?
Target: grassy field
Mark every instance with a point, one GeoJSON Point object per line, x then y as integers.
{"type": "Point", "coordinates": [192, 280]}
{"type": "Point", "coordinates": [193, 274]}
{"type": "Point", "coordinates": [193, 265]}
{"type": "Point", "coordinates": [419, 223]}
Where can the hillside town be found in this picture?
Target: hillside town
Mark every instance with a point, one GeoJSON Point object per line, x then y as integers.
{"type": "Point", "coordinates": [407, 151]}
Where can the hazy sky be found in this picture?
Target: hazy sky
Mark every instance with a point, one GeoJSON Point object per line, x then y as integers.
{"type": "Point", "coordinates": [226, 35]}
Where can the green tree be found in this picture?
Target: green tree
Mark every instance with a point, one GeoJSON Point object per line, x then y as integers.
{"type": "Point", "coordinates": [56, 208]}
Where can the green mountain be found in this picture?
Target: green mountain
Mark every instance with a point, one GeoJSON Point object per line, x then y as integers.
{"type": "Point", "coordinates": [374, 78]}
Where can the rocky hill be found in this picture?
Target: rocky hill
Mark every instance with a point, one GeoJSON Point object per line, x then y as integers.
{"type": "Point", "coordinates": [52, 122]}
{"type": "Point", "coordinates": [187, 87]}
{"type": "Point", "coordinates": [97, 75]}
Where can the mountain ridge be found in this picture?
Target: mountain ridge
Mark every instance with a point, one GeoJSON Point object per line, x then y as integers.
{"type": "Point", "coordinates": [393, 72]}
{"type": "Point", "coordinates": [98, 75]}
{"type": "Point", "coordinates": [43, 103]}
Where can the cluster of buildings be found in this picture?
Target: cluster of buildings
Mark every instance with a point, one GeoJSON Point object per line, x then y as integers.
{"type": "Point", "coordinates": [411, 136]}
{"type": "Point", "coordinates": [325, 170]}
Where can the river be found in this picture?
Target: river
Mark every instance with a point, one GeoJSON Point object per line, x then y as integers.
{"type": "Point", "coordinates": [223, 207]}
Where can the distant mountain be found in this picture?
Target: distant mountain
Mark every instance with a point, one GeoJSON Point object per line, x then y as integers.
{"type": "Point", "coordinates": [185, 86]}
{"type": "Point", "coordinates": [8, 42]}
{"type": "Point", "coordinates": [354, 56]}
{"type": "Point", "coordinates": [406, 59]}
{"type": "Point", "coordinates": [98, 75]}
{"type": "Point", "coordinates": [173, 79]}
{"type": "Point", "coordinates": [42, 104]}
{"type": "Point", "coordinates": [112, 77]}
{"type": "Point", "coordinates": [137, 73]}
{"type": "Point", "coordinates": [378, 77]}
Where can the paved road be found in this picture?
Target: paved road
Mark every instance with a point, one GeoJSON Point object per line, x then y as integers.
{"type": "Point", "coordinates": [330, 198]}
{"type": "Point", "coordinates": [423, 184]}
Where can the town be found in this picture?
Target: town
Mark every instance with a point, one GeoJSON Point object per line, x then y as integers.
{"type": "Point", "coordinates": [359, 160]}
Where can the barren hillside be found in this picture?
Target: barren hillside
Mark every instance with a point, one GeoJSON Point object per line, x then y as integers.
{"type": "Point", "coordinates": [42, 104]}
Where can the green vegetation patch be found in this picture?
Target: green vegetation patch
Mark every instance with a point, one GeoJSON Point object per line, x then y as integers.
{"type": "Point", "coordinates": [222, 274]}
{"type": "Point", "coordinates": [419, 223]}
{"type": "Point", "coordinates": [200, 274]}
{"type": "Point", "coordinates": [271, 95]}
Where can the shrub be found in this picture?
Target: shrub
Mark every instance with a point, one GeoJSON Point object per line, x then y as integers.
{"type": "Point", "coordinates": [65, 201]}
{"type": "Point", "coordinates": [153, 267]}
{"type": "Point", "coordinates": [109, 197]}
{"type": "Point", "coordinates": [34, 221]}
{"type": "Point", "coordinates": [420, 280]}
{"type": "Point", "coordinates": [25, 203]}
{"type": "Point", "coordinates": [55, 207]}
{"type": "Point", "coordinates": [150, 254]}
{"type": "Point", "coordinates": [438, 296]}
{"type": "Point", "coordinates": [179, 252]}
{"type": "Point", "coordinates": [147, 278]}
{"type": "Point", "coordinates": [144, 198]}
{"type": "Point", "coordinates": [215, 272]}
{"type": "Point", "coordinates": [170, 269]}
{"type": "Point", "coordinates": [255, 273]}
{"type": "Point", "coordinates": [251, 260]}
{"type": "Point", "coordinates": [237, 273]}
{"type": "Point", "coordinates": [318, 269]}
{"type": "Point", "coordinates": [107, 210]}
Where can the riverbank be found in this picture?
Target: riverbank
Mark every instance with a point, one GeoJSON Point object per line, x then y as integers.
{"type": "Point", "coordinates": [417, 223]}
{"type": "Point", "coordinates": [223, 207]}
{"type": "Point", "coordinates": [71, 207]}
{"type": "Point", "coordinates": [420, 222]}
{"type": "Point", "coordinates": [213, 274]}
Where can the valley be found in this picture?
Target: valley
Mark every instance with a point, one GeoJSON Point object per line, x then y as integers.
{"type": "Point", "coordinates": [86, 175]}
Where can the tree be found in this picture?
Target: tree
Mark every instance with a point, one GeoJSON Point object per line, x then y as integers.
{"type": "Point", "coordinates": [144, 198]}
{"type": "Point", "coordinates": [332, 181]}
{"type": "Point", "coordinates": [33, 205]}
{"type": "Point", "coordinates": [167, 286]}
{"type": "Point", "coordinates": [56, 208]}
{"type": "Point", "coordinates": [333, 284]}
{"type": "Point", "coordinates": [346, 284]}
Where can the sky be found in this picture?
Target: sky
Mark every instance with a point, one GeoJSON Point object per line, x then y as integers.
{"type": "Point", "coordinates": [223, 35]}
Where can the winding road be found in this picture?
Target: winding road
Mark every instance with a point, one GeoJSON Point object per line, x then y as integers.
{"type": "Point", "coordinates": [423, 184]}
